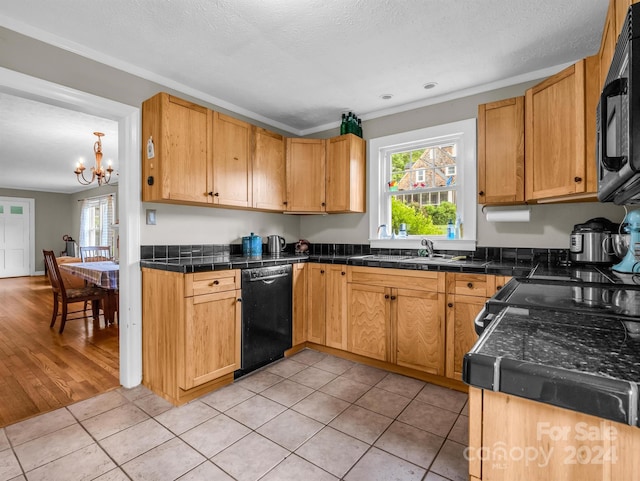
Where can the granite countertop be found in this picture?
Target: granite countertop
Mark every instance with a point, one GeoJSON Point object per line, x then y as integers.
{"type": "Point", "coordinates": [584, 362]}
{"type": "Point", "coordinates": [227, 261]}
{"type": "Point", "coordinates": [220, 262]}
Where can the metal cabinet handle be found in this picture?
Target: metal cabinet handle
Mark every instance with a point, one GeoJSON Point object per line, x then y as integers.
{"type": "Point", "coordinates": [215, 283]}
{"type": "Point", "coordinates": [393, 298]}
{"type": "Point", "coordinates": [343, 273]}
{"type": "Point", "coordinates": [498, 288]}
{"type": "Point", "coordinates": [481, 193]}
{"type": "Point", "coordinates": [470, 285]}
{"type": "Point", "coordinates": [285, 202]}
{"type": "Point", "coordinates": [578, 179]}
{"type": "Point", "coordinates": [321, 271]}
{"type": "Point", "coordinates": [216, 194]}
{"type": "Point", "coordinates": [450, 304]}
{"type": "Point", "coordinates": [323, 204]}
{"type": "Point", "coordinates": [239, 299]}
{"type": "Point", "coordinates": [386, 296]}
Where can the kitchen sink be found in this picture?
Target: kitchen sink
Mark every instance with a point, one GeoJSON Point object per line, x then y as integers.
{"type": "Point", "coordinates": [435, 259]}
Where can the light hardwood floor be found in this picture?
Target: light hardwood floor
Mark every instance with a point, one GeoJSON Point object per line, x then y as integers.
{"type": "Point", "coordinates": [41, 370]}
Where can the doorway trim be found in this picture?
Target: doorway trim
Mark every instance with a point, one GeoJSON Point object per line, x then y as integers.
{"type": "Point", "coordinates": [129, 203]}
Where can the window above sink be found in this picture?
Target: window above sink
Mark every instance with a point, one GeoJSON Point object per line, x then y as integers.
{"type": "Point", "coordinates": [422, 178]}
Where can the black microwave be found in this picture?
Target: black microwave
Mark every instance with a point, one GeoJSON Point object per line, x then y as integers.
{"type": "Point", "coordinates": [618, 119]}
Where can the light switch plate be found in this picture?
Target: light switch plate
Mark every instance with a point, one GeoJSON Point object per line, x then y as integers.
{"type": "Point", "coordinates": [151, 217]}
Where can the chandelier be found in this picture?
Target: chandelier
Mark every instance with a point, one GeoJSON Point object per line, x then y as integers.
{"type": "Point", "coordinates": [98, 171]}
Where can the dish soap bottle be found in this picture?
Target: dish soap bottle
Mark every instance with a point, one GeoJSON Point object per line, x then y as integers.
{"type": "Point", "coordinates": [451, 232]}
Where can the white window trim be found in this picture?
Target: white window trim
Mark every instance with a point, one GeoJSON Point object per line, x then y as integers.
{"type": "Point", "coordinates": [466, 170]}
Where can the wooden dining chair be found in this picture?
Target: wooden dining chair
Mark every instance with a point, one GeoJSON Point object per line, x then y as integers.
{"type": "Point", "coordinates": [95, 253]}
{"type": "Point", "coordinates": [65, 296]}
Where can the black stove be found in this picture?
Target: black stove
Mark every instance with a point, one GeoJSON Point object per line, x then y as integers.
{"type": "Point", "coordinates": [589, 290]}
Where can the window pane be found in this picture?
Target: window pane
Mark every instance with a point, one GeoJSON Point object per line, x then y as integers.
{"type": "Point", "coordinates": [433, 167]}
{"type": "Point", "coordinates": [16, 209]}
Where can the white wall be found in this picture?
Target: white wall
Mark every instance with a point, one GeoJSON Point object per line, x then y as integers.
{"type": "Point", "coordinates": [177, 224]}
{"type": "Point", "coordinates": [550, 224]}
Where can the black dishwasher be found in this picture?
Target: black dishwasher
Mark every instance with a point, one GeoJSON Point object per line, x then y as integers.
{"type": "Point", "coordinates": [266, 315]}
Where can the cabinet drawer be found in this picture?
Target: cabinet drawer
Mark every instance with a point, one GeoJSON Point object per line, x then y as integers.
{"type": "Point", "coordinates": [477, 285]}
{"type": "Point", "coordinates": [400, 278]}
{"type": "Point", "coordinates": [211, 282]}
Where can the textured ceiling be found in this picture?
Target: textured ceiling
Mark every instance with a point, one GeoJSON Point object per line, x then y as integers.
{"type": "Point", "coordinates": [298, 64]}
{"type": "Point", "coordinates": [40, 145]}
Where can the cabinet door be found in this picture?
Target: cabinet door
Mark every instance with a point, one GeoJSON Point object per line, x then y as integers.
{"type": "Point", "coordinates": [211, 337]}
{"type": "Point", "coordinates": [268, 170]}
{"type": "Point", "coordinates": [305, 175]}
{"type": "Point", "coordinates": [555, 135]}
{"type": "Point", "coordinates": [501, 152]}
{"type": "Point", "coordinates": [621, 8]}
{"type": "Point", "coordinates": [345, 187]}
{"type": "Point", "coordinates": [180, 132]}
{"type": "Point", "coordinates": [231, 164]}
{"type": "Point", "coordinates": [420, 329]}
{"type": "Point", "coordinates": [609, 38]}
{"type": "Point", "coordinates": [316, 303]}
{"type": "Point", "coordinates": [500, 282]}
{"type": "Point", "coordinates": [299, 304]}
{"type": "Point", "coordinates": [581, 451]}
{"type": "Point", "coordinates": [461, 335]}
{"type": "Point", "coordinates": [369, 321]}
{"type": "Point", "coordinates": [336, 306]}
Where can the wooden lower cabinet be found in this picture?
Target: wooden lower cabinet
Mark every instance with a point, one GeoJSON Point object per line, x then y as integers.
{"type": "Point", "coordinates": [190, 332]}
{"type": "Point", "coordinates": [461, 334]}
{"type": "Point", "coordinates": [369, 321]}
{"type": "Point", "coordinates": [466, 296]}
{"type": "Point", "coordinates": [419, 330]}
{"type": "Point", "coordinates": [299, 307]}
{"type": "Point", "coordinates": [515, 438]}
{"type": "Point", "coordinates": [397, 316]}
{"type": "Point", "coordinates": [327, 305]}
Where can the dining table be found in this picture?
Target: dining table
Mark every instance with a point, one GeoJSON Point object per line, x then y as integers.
{"type": "Point", "coordinates": [103, 274]}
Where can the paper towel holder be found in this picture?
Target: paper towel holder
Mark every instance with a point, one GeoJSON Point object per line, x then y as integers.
{"type": "Point", "coordinates": [498, 214]}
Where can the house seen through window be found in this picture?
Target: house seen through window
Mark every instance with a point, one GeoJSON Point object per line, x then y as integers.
{"type": "Point", "coordinates": [423, 188]}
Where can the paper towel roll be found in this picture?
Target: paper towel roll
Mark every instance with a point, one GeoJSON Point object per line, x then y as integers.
{"type": "Point", "coordinates": [508, 215]}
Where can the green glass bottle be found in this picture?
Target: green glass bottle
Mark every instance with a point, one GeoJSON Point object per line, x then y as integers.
{"type": "Point", "coordinates": [343, 125]}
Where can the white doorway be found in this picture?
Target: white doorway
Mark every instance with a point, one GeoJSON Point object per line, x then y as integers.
{"type": "Point", "coordinates": [129, 205]}
{"type": "Point", "coordinates": [16, 236]}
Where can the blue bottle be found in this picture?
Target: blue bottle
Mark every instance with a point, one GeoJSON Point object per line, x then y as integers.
{"type": "Point", "coordinates": [451, 230]}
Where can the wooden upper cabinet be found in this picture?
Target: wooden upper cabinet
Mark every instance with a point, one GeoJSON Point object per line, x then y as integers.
{"type": "Point", "coordinates": [621, 8]}
{"type": "Point", "coordinates": [268, 162]}
{"type": "Point", "coordinates": [305, 175]}
{"type": "Point", "coordinates": [560, 135]}
{"type": "Point", "coordinates": [346, 174]}
{"type": "Point", "coordinates": [231, 163]}
{"type": "Point", "coordinates": [180, 133]}
{"type": "Point", "coordinates": [501, 152]}
{"type": "Point", "coordinates": [610, 34]}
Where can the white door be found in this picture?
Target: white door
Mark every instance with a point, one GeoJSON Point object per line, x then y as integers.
{"type": "Point", "coordinates": [15, 222]}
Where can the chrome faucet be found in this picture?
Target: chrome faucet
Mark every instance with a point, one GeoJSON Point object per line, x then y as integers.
{"type": "Point", "coordinates": [428, 247]}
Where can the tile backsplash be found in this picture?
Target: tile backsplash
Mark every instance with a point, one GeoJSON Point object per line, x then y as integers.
{"type": "Point", "coordinates": [519, 255]}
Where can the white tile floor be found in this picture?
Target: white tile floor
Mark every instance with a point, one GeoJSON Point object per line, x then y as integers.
{"type": "Point", "coordinates": [309, 417]}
